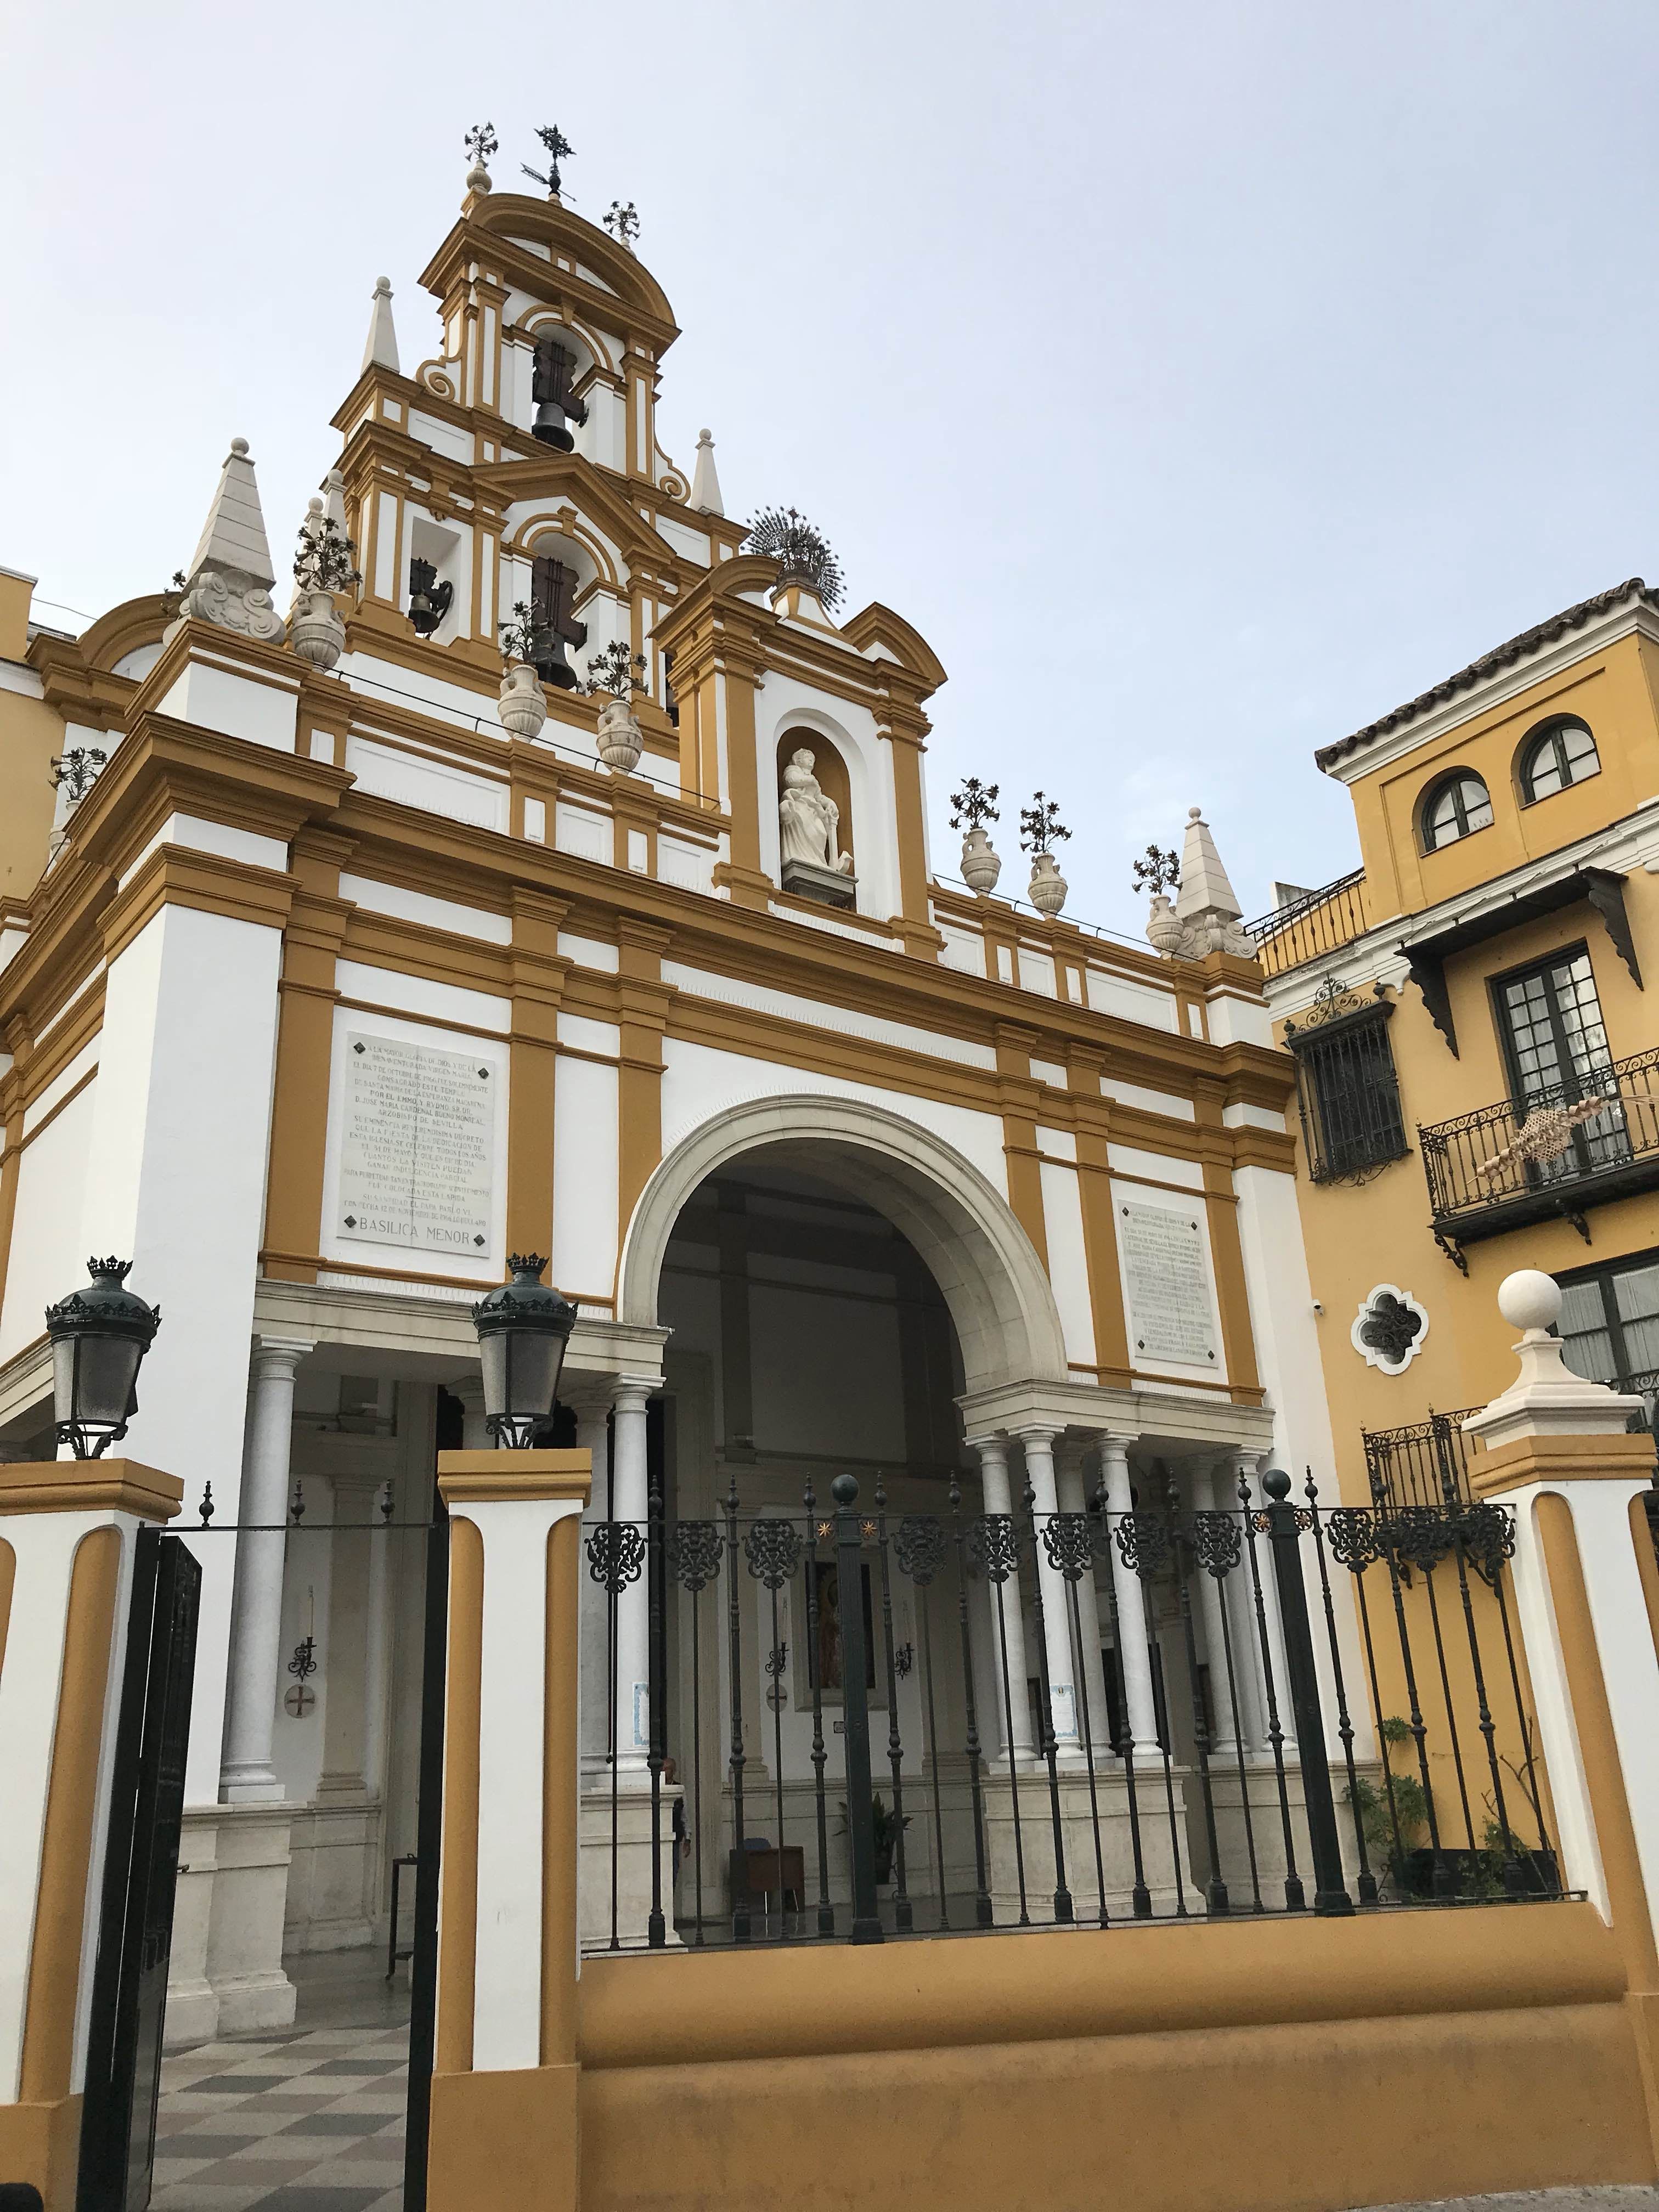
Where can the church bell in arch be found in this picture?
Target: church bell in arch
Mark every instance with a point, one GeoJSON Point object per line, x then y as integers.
{"type": "Point", "coordinates": [555, 407]}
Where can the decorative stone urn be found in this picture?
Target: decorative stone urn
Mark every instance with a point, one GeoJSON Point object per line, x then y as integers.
{"type": "Point", "coordinates": [1163, 933]}
{"type": "Point", "coordinates": [982, 864]}
{"type": "Point", "coordinates": [524, 703]}
{"type": "Point", "coordinates": [314, 629]}
{"type": "Point", "coordinates": [621, 742]}
{"type": "Point", "coordinates": [1047, 888]}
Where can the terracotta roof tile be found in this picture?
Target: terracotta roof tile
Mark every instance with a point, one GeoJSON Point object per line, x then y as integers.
{"type": "Point", "coordinates": [1502, 656]}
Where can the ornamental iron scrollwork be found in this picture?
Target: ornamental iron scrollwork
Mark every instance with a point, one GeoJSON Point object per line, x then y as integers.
{"type": "Point", "coordinates": [993, 1546]}
{"type": "Point", "coordinates": [1217, 1541]}
{"type": "Point", "coordinates": [1388, 1329]}
{"type": "Point", "coordinates": [1335, 1001]}
{"type": "Point", "coordinates": [616, 1555]}
{"type": "Point", "coordinates": [1422, 1535]}
{"type": "Point", "coordinates": [1143, 1539]}
{"type": "Point", "coordinates": [1354, 1541]}
{"type": "Point", "coordinates": [1069, 1541]}
{"type": "Point", "coordinates": [773, 1550]}
{"type": "Point", "coordinates": [919, 1545]}
{"type": "Point", "coordinates": [695, 1550]}
{"type": "Point", "coordinates": [1488, 1535]}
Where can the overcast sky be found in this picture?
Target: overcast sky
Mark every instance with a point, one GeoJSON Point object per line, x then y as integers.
{"type": "Point", "coordinates": [1201, 380]}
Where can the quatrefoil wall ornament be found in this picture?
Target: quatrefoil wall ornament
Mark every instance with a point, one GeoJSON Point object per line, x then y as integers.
{"type": "Point", "coordinates": [1389, 1328]}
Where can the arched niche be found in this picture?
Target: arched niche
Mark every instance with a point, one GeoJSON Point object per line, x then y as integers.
{"type": "Point", "coordinates": [829, 765]}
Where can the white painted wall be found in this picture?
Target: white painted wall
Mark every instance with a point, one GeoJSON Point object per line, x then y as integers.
{"type": "Point", "coordinates": [48, 1252]}
{"type": "Point", "coordinates": [175, 1177]}
{"type": "Point", "coordinates": [586, 1171]}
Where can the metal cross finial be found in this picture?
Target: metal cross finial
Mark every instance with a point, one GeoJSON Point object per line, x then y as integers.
{"type": "Point", "coordinates": [623, 223]}
{"type": "Point", "coordinates": [559, 149]}
{"type": "Point", "coordinates": [481, 143]}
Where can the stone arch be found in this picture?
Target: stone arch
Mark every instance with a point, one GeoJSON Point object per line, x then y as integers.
{"type": "Point", "coordinates": [1007, 1321]}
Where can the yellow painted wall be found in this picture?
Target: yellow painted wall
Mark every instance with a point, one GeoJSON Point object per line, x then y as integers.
{"type": "Point", "coordinates": [30, 735]}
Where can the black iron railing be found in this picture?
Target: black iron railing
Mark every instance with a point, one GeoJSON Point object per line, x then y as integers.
{"type": "Point", "coordinates": [1566, 1147]}
{"type": "Point", "coordinates": [791, 1652]}
{"type": "Point", "coordinates": [1424, 1463]}
{"type": "Point", "coordinates": [1311, 923]}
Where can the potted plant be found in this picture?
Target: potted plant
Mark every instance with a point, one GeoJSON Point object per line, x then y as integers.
{"type": "Point", "coordinates": [523, 706]}
{"type": "Point", "coordinates": [971, 808]}
{"type": "Point", "coordinates": [612, 675]}
{"type": "Point", "coordinates": [1159, 872]}
{"type": "Point", "coordinates": [1040, 830]}
{"type": "Point", "coordinates": [322, 567]}
{"type": "Point", "coordinates": [884, 1826]}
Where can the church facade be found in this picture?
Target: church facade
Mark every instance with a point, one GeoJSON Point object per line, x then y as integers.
{"type": "Point", "coordinates": [360, 956]}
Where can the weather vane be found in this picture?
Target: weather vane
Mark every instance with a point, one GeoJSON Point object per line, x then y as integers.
{"type": "Point", "coordinates": [624, 223]}
{"type": "Point", "coordinates": [559, 149]}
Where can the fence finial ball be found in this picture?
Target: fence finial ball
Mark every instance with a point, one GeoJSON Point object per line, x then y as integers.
{"type": "Point", "coordinates": [1530, 1298]}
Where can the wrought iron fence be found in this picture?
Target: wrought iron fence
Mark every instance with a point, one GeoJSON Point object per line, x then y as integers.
{"type": "Point", "coordinates": [1176, 1658]}
{"type": "Point", "coordinates": [1311, 923]}
{"type": "Point", "coordinates": [1510, 1162]}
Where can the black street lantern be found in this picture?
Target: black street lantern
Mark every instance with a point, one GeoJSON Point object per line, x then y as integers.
{"type": "Point", "coordinates": [99, 1339]}
{"type": "Point", "coordinates": [523, 1330]}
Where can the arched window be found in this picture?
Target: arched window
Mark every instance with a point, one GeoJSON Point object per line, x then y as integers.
{"type": "Point", "coordinates": [1455, 808]}
{"type": "Point", "coordinates": [1560, 753]}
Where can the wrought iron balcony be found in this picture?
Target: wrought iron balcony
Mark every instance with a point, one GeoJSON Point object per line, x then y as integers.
{"type": "Point", "coordinates": [1573, 1146]}
{"type": "Point", "coordinates": [1428, 1463]}
{"type": "Point", "coordinates": [1310, 924]}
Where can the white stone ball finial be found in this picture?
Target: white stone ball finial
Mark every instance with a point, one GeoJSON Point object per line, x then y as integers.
{"type": "Point", "coordinates": [239, 447]}
{"type": "Point", "coordinates": [383, 288]}
{"type": "Point", "coordinates": [1529, 1299]}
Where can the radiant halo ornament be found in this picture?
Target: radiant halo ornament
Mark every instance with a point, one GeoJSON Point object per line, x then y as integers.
{"type": "Point", "coordinates": [1389, 1328]}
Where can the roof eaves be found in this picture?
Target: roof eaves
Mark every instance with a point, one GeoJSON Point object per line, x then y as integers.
{"type": "Point", "coordinates": [1490, 664]}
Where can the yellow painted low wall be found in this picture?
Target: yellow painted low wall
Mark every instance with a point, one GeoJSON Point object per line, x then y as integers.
{"type": "Point", "coordinates": [1295, 2066]}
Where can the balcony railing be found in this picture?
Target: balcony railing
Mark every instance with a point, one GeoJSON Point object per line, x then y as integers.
{"type": "Point", "coordinates": [1310, 924]}
{"type": "Point", "coordinates": [1428, 1463]}
{"type": "Point", "coordinates": [1558, 1151]}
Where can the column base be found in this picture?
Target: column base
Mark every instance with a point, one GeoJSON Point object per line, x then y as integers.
{"type": "Point", "coordinates": [1077, 1836]}
{"type": "Point", "coordinates": [633, 1863]}
{"type": "Point", "coordinates": [227, 1976]}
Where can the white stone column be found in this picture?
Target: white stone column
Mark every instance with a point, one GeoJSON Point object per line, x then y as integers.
{"type": "Point", "coordinates": [475, 1437]}
{"type": "Point", "coordinates": [997, 1498]}
{"type": "Point", "coordinates": [1211, 1601]}
{"type": "Point", "coordinates": [1039, 1448]}
{"type": "Point", "coordinates": [1072, 1491]}
{"type": "Point", "coordinates": [376, 1643]}
{"type": "Point", "coordinates": [593, 1436]}
{"type": "Point", "coordinates": [631, 1502]}
{"type": "Point", "coordinates": [245, 1776]}
{"type": "Point", "coordinates": [1134, 1664]}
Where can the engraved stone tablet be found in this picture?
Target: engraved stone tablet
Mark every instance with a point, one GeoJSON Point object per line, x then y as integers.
{"type": "Point", "coordinates": [418, 1155]}
{"type": "Point", "coordinates": [1168, 1284]}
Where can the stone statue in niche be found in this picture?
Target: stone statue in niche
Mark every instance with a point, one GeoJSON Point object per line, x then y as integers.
{"type": "Point", "coordinates": [809, 823]}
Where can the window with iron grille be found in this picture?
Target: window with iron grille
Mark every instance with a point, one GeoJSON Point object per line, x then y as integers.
{"type": "Point", "coordinates": [1345, 1086]}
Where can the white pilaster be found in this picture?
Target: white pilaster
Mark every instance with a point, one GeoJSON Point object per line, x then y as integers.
{"type": "Point", "coordinates": [247, 1776]}
{"type": "Point", "coordinates": [1134, 1664]}
{"type": "Point", "coordinates": [631, 1502]}
{"type": "Point", "coordinates": [1007, 1619]}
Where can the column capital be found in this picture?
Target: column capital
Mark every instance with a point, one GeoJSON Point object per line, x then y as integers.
{"type": "Point", "coordinates": [280, 1356]}
{"type": "Point", "coordinates": [1034, 1432]}
{"type": "Point", "coordinates": [995, 1446]}
{"type": "Point", "coordinates": [630, 1394]}
{"type": "Point", "coordinates": [1117, 1441]}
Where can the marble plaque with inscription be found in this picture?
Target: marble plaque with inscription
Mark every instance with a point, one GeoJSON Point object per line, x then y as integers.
{"type": "Point", "coordinates": [417, 1156]}
{"type": "Point", "coordinates": [1169, 1283]}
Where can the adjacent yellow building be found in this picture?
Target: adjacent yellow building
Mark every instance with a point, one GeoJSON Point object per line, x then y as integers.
{"type": "Point", "coordinates": [1477, 1052]}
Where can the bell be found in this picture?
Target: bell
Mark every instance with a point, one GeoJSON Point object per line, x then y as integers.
{"type": "Point", "coordinates": [550, 426]}
{"type": "Point", "coordinates": [556, 670]}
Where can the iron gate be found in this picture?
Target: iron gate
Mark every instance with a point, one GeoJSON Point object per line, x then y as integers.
{"type": "Point", "coordinates": [141, 1867]}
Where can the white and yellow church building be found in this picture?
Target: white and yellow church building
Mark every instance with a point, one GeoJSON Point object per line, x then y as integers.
{"type": "Point", "coordinates": [352, 957]}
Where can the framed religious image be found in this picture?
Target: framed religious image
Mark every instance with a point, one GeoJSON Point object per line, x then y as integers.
{"type": "Point", "coordinates": [823, 1654]}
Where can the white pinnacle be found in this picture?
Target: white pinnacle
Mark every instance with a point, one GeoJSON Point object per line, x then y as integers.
{"type": "Point", "coordinates": [1205, 888]}
{"type": "Point", "coordinates": [705, 483]}
{"type": "Point", "coordinates": [382, 347]}
{"type": "Point", "coordinates": [233, 541]}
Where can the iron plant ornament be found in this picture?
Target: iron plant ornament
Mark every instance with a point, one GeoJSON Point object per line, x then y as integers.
{"type": "Point", "coordinates": [801, 551]}
{"type": "Point", "coordinates": [482, 143]}
{"type": "Point", "coordinates": [559, 149]}
{"type": "Point", "coordinates": [1156, 872]}
{"type": "Point", "coordinates": [1040, 826]}
{"type": "Point", "coordinates": [622, 222]}
{"type": "Point", "coordinates": [975, 804]}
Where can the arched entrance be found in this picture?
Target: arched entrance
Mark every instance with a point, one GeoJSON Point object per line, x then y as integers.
{"type": "Point", "coordinates": [834, 1276]}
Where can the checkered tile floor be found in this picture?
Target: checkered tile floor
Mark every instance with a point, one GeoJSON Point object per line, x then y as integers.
{"type": "Point", "coordinates": [311, 2122]}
